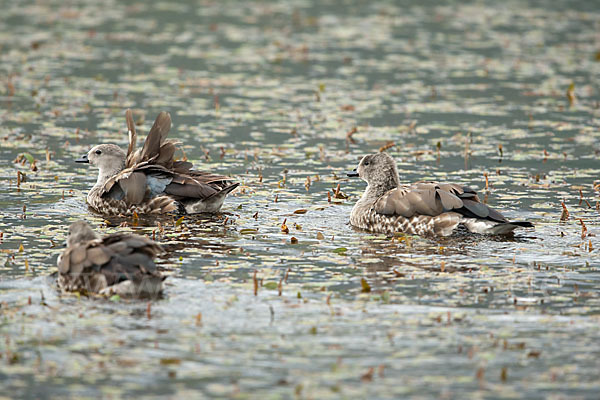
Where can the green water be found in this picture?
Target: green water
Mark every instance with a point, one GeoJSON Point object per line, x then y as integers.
{"type": "Point", "coordinates": [267, 92]}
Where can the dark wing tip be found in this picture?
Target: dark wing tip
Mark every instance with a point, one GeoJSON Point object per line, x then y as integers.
{"type": "Point", "coordinates": [523, 224]}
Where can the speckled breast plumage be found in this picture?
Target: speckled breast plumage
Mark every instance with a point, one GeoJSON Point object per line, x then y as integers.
{"type": "Point", "coordinates": [370, 220]}
{"type": "Point", "coordinates": [108, 206]}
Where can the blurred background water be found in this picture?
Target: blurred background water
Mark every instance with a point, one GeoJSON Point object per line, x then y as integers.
{"type": "Point", "coordinates": [286, 96]}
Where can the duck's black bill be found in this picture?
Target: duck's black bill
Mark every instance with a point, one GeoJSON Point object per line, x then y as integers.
{"type": "Point", "coordinates": [83, 159]}
{"type": "Point", "coordinates": [353, 174]}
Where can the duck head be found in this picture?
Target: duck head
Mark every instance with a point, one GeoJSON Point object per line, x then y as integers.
{"type": "Point", "coordinates": [378, 170]}
{"type": "Point", "coordinates": [80, 232]}
{"type": "Point", "coordinates": [108, 158]}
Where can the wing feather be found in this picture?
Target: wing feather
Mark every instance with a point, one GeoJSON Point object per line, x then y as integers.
{"type": "Point", "coordinates": [158, 133]}
{"type": "Point", "coordinates": [433, 199]}
{"type": "Point", "coordinates": [423, 198]}
{"type": "Point", "coordinates": [98, 255]}
{"type": "Point", "coordinates": [134, 187]}
{"type": "Point", "coordinates": [449, 200]}
{"type": "Point", "coordinates": [132, 135]}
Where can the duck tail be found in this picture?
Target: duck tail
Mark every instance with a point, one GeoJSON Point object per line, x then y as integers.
{"type": "Point", "coordinates": [507, 227]}
{"type": "Point", "coordinates": [212, 203]}
{"type": "Point", "coordinates": [487, 227]}
{"type": "Point", "coordinates": [223, 192]}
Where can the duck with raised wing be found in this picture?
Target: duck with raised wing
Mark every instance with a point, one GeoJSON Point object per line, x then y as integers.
{"type": "Point", "coordinates": [149, 180]}
{"type": "Point", "coordinates": [423, 208]}
{"type": "Point", "coordinates": [120, 263]}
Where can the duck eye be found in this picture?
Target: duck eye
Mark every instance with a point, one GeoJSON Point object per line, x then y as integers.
{"type": "Point", "coordinates": [98, 152]}
{"type": "Point", "coordinates": [366, 163]}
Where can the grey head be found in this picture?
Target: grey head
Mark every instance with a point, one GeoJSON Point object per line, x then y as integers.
{"type": "Point", "coordinates": [379, 171]}
{"type": "Point", "coordinates": [109, 158]}
{"type": "Point", "coordinates": [80, 232]}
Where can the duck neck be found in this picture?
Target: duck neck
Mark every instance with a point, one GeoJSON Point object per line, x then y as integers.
{"type": "Point", "coordinates": [107, 172]}
{"type": "Point", "coordinates": [378, 189]}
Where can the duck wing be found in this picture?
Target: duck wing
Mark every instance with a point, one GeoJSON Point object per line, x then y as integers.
{"type": "Point", "coordinates": [132, 135]}
{"type": "Point", "coordinates": [144, 181]}
{"type": "Point", "coordinates": [433, 199]}
{"type": "Point", "coordinates": [130, 185]}
{"type": "Point", "coordinates": [191, 184]}
{"type": "Point", "coordinates": [132, 257]}
{"type": "Point", "coordinates": [155, 147]}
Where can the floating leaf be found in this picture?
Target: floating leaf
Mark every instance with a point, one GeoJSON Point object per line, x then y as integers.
{"type": "Point", "coordinates": [170, 361]}
{"type": "Point", "coordinates": [366, 288]}
{"type": "Point", "coordinates": [29, 158]}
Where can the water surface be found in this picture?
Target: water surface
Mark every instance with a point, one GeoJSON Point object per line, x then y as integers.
{"type": "Point", "coordinates": [268, 92]}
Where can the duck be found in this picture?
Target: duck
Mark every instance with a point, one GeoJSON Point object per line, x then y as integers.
{"type": "Point", "coordinates": [148, 180]}
{"type": "Point", "coordinates": [421, 208]}
{"type": "Point", "coordinates": [116, 264]}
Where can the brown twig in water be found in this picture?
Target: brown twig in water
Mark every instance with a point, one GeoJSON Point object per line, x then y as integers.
{"type": "Point", "coordinates": [255, 283]}
{"type": "Point", "coordinates": [386, 146]}
{"type": "Point", "coordinates": [565, 213]}
{"type": "Point", "coordinates": [280, 286]}
{"type": "Point", "coordinates": [350, 133]}
{"type": "Point", "coordinates": [584, 230]}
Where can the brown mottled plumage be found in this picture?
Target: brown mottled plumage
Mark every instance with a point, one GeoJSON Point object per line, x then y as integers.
{"type": "Point", "coordinates": [149, 180]}
{"type": "Point", "coordinates": [423, 208]}
{"type": "Point", "coordinates": [121, 263]}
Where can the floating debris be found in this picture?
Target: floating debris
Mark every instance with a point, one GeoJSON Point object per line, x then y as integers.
{"type": "Point", "coordinates": [284, 227]}
{"type": "Point", "coordinates": [571, 94]}
{"type": "Point", "coordinates": [365, 287]}
{"type": "Point", "coordinates": [387, 146]}
{"type": "Point", "coordinates": [565, 213]}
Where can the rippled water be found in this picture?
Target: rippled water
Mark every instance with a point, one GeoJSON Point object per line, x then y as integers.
{"type": "Point", "coordinates": [268, 92]}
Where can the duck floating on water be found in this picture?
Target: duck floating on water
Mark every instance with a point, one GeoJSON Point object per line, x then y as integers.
{"type": "Point", "coordinates": [149, 180]}
{"type": "Point", "coordinates": [120, 263]}
{"type": "Point", "coordinates": [423, 208]}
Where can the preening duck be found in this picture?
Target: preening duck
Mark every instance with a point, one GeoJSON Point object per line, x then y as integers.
{"type": "Point", "coordinates": [149, 180]}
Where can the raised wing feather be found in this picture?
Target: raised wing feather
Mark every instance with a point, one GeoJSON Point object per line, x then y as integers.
{"type": "Point", "coordinates": [132, 134]}
{"type": "Point", "coordinates": [158, 133]}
